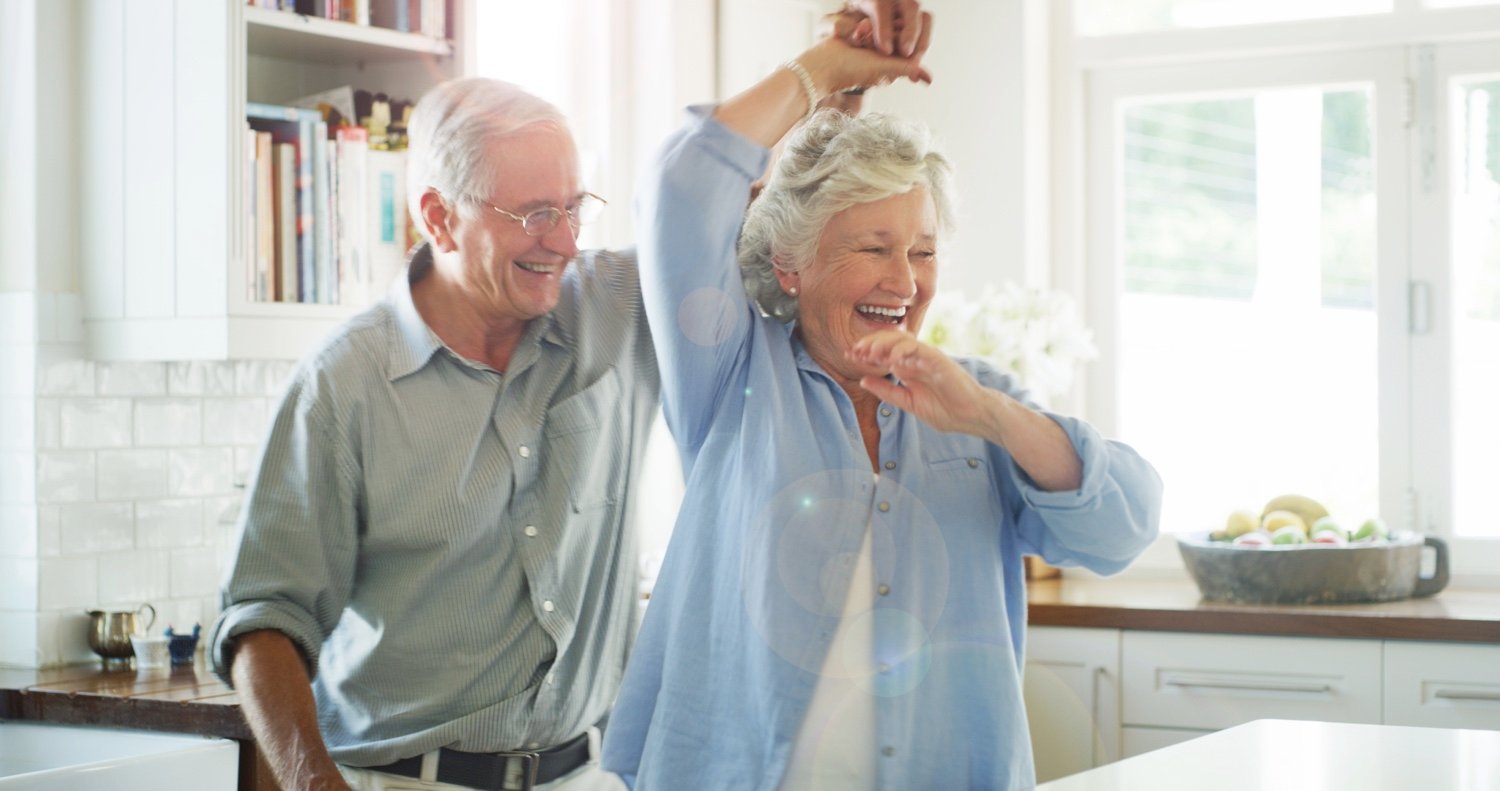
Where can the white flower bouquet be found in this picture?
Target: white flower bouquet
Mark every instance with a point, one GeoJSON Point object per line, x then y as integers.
{"type": "Point", "coordinates": [1035, 335]}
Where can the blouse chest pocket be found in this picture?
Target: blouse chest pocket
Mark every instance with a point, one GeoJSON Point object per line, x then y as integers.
{"type": "Point", "coordinates": [584, 444]}
{"type": "Point", "coordinates": [959, 486]}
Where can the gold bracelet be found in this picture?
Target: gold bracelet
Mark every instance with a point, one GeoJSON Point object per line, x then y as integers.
{"type": "Point", "coordinates": [807, 85]}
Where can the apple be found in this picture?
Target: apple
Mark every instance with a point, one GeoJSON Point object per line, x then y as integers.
{"type": "Point", "coordinates": [1372, 530]}
{"type": "Point", "coordinates": [1289, 534]}
{"type": "Point", "coordinates": [1257, 539]}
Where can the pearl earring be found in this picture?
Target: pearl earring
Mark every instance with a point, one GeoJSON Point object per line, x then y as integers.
{"type": "Point", "coordinates": [792, 290]}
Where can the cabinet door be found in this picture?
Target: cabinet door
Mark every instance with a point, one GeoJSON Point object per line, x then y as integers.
{"type": "Point", "coordinates": [1442, 685]}
{"type": "Point", "coordinates": [1072, 698]}
{"type": "Point", "coordinates": [1214, 681]}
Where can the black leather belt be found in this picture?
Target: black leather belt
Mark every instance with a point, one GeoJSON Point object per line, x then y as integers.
{"type": "Point", "coordinates": [517, 771]}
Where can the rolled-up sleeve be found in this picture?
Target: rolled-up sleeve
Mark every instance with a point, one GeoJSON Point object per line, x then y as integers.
{"type": "Point", "coordinates": [294, 564]}
{"type": "Point", "coordinates": [1111, 517]}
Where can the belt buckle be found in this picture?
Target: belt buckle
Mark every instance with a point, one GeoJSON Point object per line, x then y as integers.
{"type": "Point", "coordinates": [520, 769]}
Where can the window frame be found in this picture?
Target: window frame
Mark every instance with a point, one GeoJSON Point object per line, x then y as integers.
{"type": "Point", "coordinates": [1406, 56]}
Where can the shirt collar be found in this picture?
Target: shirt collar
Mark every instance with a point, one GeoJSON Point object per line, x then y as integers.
{"type": "Point", "coordinates": [413, 342]}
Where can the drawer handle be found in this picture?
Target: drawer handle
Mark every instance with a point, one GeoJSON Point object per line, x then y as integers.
{"type": "Point", "coordinates": [1275, 686]}
{"type": "Point", "coordinates": [1459, 694]}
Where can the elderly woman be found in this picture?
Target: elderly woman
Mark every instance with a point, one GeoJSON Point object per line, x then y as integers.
{"type": "Point", "coordinates": [842, 605]}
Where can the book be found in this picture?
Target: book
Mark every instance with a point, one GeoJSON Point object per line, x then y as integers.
{"type": "Point", "coordinates": [285, 269]}
{"type": "Point", "coordinates": [351, 187]}
{"type": "Point", "coordinates": [296, 126]}
{"type": "Point", "coordinates": [264, 228]}
{"type": "Point", "coordinates": [321, 287]}
{"type": "Point", "coordinates": [386, 213]}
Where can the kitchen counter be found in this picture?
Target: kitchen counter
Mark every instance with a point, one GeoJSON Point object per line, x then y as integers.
{"type": "Point", "coordinates": [175, 700]}
{"type": "Point", "coordinates": [1287, 754]}
{"type": "Point", "coordinates": [1455, 614]}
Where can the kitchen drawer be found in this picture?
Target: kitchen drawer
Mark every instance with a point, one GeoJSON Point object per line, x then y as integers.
{"type": "Point", "coordinates": [1212, 681]}
{"type": "Point", "coordinates": [1442, 685]}
{"type": "Point", "coordinates": [1136, 739]}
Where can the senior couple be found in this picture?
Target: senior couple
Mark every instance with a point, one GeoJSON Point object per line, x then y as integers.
{"type": "Point", "coordinates": [433, 586]}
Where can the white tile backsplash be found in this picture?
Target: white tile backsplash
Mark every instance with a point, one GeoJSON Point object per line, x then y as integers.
{"type": "Point", "coordinates": [132, 379]}
{"type": "Point", "coordinates": [65, 476]}
{"type": "Point", "coordinates": [97, 527]}
{"type": "Point", "coordinates": [127, 492]}
{"type": "Point", "coordinates": [95, 422]}
{"type": "Point", "coordinates": [169, 523]}
{"type": "Point", "coordinates": [129, 578]}
{"type": "Point", "coordinates": [261, 377]}
{"type": "Point", "coordinates": [66, 378]}
{"type": "Point", "coordinates": [168, 421]}
{"type": "Point", "coordinates": [197, 378]}
{"type": "Point", "coordinates": [195, 572]}
{"type": "Point", "coordinates": [200, 472]}
{"type": "Point", "coordinates": [132, 474]}
{"type": "Point", "coordinates": [69, 582]}
{"type": "Point", "coordinates": [48, 423]}
{"type": "Point", "coordinates": [48, 530]}
{"type": "Point", "coordinates": [234, 421]}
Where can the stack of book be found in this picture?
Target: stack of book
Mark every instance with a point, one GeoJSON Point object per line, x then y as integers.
{"type": "Point", "coordinates": [327, 214]}
{"type": "Point", "coordinates": [429, 17]}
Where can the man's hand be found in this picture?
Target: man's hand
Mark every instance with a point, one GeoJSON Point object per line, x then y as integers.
{"type": "Point", "coordinates": [896, 27]}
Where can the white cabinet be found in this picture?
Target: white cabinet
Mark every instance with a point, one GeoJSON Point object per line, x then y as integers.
{"type": "Point", "coordinates": [1442, 685]}
{"type": "Point", "coordinates": [1213, 681]}
{"type": "Point", "coordinates": [1072, 698]}
{"type": "Point", "coordinates": [163, 87]}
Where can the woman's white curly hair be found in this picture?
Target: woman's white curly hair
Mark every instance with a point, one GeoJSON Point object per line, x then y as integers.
{"type": "Point", "coordinates": [833, 162]}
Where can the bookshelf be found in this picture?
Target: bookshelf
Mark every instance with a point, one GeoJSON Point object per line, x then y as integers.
{"type": "Point", "coordinates": [164, 86]}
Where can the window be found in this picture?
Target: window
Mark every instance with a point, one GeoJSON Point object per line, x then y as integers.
{"type": "Point", "coordinates": [1110, 17]}
{"type": "Point", "coordinates": [1293, 253]}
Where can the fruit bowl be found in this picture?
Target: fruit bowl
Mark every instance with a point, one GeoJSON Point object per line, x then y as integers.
{"type": "Point", "coordinates": [1313, 573]}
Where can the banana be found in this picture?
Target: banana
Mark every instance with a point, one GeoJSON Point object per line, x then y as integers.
{"type": "Point", "coordinates": [1309, 509]}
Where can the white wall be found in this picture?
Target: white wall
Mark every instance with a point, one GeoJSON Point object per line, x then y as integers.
{"type": "Point", "coordinates": [988, 109]}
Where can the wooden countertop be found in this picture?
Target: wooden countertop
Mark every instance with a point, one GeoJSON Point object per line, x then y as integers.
{"type": "Point", "coordinates": [1457, 614]}
{"type": "Point", "coordinates": [180, 699]}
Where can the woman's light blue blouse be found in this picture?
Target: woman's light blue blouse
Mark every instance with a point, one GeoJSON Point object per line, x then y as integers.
{"type": "Point", "coordinates": [779, 491]}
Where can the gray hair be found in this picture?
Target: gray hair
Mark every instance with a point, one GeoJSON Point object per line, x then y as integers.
{"type": "Point", "coordinates": [451, 130]}
{"type": "Point", "coordinates": [833, 162]}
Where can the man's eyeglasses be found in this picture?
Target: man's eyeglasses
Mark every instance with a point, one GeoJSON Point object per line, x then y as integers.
{"type": "Point", "coordinates": [540, 222]}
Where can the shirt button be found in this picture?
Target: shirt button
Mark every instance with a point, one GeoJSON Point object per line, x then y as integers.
{"type": "Point", "coordinates": [885, 411]}
{"type": "Point", "coordinates": [531, 531]}
{"type": "Point", "coordinates": [884, 506]}
{"type": "Point", "coordinates": [551, 677]}
{"type": "Point", "coordinates": [884, 590]}
{"type": "Point", "coordinates": [890, 465]}
{"type": "Point", "coordinates": [547, 606]}
{"type": "Point", "coordinates": [888, 751]}
{"type": "Point", "coordinates": [973, 462]}
{"type": "Point", "coordinates": [525, 452]}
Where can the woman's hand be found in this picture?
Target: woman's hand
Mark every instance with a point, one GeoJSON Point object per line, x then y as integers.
{"type": "Point", "coordinates": [932, 386]}
{"type": "Point", "coordinates": [943, 395]}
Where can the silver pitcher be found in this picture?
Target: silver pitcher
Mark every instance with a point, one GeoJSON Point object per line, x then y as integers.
{"type": "Point", "coordinates": [110, 631]}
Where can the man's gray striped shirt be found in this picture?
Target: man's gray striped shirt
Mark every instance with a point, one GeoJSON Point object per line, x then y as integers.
{"type": "Point", "coordinates": [448, 545]}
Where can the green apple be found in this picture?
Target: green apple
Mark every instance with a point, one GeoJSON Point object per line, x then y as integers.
{"type": "Point", "coordinates": [1372, 530]}
{"type": "Point", "coordinates": [1289, 534]}
{"type": "Point", "coordinates": [1325, 525]}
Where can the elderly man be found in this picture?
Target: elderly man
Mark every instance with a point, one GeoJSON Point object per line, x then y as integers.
{"type": "Point", "coordinates": [436, 535]}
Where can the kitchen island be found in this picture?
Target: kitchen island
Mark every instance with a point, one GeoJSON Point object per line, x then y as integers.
{"type": "Point", "coordinates": [1293, 755]}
